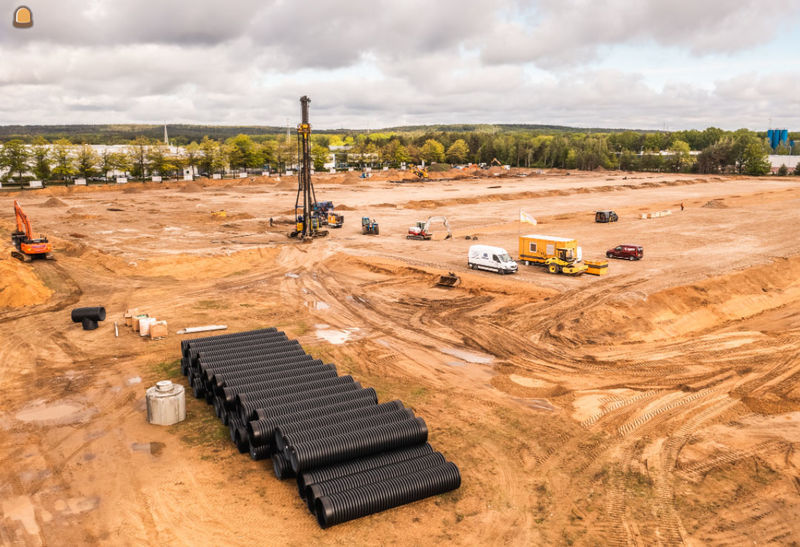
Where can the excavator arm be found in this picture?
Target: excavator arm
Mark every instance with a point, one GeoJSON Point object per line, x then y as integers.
{"type": "Point", "coordinates": [443, 220]}
{"type": "Point", "coordinates": [23, 224]}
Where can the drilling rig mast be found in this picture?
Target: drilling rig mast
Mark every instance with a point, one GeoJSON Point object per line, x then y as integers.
{"type": "Point", "coordinates": [307, 224]}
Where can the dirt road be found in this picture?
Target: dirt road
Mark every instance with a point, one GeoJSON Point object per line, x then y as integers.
{"type": "Point", "coordinates": [659, 404]}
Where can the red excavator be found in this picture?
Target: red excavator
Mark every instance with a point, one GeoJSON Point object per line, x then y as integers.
{"type": "Point", "coordinates": [27, 247]}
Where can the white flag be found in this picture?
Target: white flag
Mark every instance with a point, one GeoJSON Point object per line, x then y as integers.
{"type": "Point", "coordinates": [525, 217]}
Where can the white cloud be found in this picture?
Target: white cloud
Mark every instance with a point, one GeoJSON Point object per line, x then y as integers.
{"type": "Point", "coordinates": [380, 63]}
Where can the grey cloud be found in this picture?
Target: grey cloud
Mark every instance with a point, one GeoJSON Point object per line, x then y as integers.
{"type": "Point", "coordinates": [423, 62]}
{"type": "Point", "coordinates": [552, 33]}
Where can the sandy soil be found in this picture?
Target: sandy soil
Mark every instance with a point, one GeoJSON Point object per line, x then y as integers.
{"type": "Point", "coordinates": [659, 404]}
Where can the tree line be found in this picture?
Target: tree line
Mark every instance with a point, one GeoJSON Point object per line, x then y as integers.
{"type": "Point", "coordinates": [708, 151]}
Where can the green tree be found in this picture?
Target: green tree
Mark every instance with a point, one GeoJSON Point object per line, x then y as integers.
{"type": "Point", "coordinates": [15, 157]}
{"type": "Point", "coordinates": [797, 169]}
{"type": "Point", "coordinates": [402, 155]}
{"type": "Point", "coordinates": [158, 160]}
{"type": "Point", "coordinates": [41, 159]}
{"type": "Point", "coordinates": [717, 157]}
{"type": "Point", "coordinates": [592, 153]}
{"type": "Point", "coordinates": [209, 151]}
{"type": "Point", "coordinates": [319, 155]}
{"type": "Point", "coordinates": [137, 152]}
{"type": "Point", "coordinates": [192, 155]}
{"type": "Point", "coordinates": [783, 170]}
{"type": "Point", "coordinates": [243, 152]}
{"type": "Point", "coordinates": [120, 161]}
{"type": "Point", "coordinates": [629, 161]}
{"type": "Point", "coordinates": [268, 150]}
{"type": "Point", "coordinates": [432, 151]}
{"type": "Point", "coordinates": [755, 161]}
{"type": "Point", "coordinates": [680, 157]}
{"type": "Point", "coordinates": [783, 149]}
{"type": "Point", "coordinates": [106, 161]}
{"type": "Point", "coordinates": [62, 158]}
{"type": "Point", "coordinates": [87, 162]}
{"type": "Point", "coordinates": [458, 152]}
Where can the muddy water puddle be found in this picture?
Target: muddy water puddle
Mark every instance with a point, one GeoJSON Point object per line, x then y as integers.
{"type": "Point", "coordinates": [469, 357]}
{"type": "Point", "coordinates": [335, 336]}
{"type": "Point", "coordinates": [154, 448]}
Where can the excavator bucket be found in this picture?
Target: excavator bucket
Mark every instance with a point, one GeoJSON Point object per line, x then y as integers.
{"type": "Point", "coordinates": [449, 280]}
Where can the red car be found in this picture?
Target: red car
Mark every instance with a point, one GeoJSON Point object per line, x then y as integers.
{"type": "Point", "coordinates": [630, 252]}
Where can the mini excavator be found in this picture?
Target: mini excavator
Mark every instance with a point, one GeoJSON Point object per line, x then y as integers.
{"type": "Point", "coordinates": [422, 230]}
{"type": "Point", "coordinates": [307, 222]}
{"type": "Point", "coordinates": [26, 247]}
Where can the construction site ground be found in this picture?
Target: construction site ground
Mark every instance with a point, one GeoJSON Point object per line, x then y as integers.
{"type": "Point", "coordinates": [659, 404]}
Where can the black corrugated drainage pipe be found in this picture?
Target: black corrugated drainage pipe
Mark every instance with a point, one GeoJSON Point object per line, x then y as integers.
{"type": "Point", "coordinates": [282, 468]}
{"type": "Point", "coordinates": [262, 432]}
{"type": "Point", "coordinates": [89, 317]}
{"type": "Point", "coordinates": [372, 476]}
{"type": "Point", "coordinates": [322, 474]}
{"type": "Point", "coordinates": [372, 498]}
{"type": "Point", "coordinates": [310, 454]}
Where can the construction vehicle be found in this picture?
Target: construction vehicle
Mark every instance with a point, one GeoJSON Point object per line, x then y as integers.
{"type": "Point", "coordinates": [307, 222]}
{"type": "Point", "coordinates": [422, 230]}
{"type": "Point", "coordinates": [26, 247]}
{"type": "Point", "coordinates": [605, 216]}
{"type": "Point", "coordinates": [369, 226]}
{"type": "Point", "coordinates": [449, 280]}
{"type": "Point", "coordinates": [324, 212]}
{"type": "Point", "coordinates": [419, 172]}
{"type": "Point", "coordinates": [557, 254]}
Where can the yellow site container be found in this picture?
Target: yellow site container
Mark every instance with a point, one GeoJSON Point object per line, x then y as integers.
{"type": "Point", "coordinates": [535, 249]}
{"type": "Point", "coordinates": [596, 267]}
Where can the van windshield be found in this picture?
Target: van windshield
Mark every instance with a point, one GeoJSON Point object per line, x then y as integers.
{"type": "Point", "coordinates": [504, 257]}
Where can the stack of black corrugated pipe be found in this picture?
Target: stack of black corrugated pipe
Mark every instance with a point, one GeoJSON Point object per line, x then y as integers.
{"type": "Point", "coordinates": [351, 456]}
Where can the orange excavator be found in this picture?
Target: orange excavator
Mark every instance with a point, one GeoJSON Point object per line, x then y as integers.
{"type": "Point", "coordinates": [26, 246]}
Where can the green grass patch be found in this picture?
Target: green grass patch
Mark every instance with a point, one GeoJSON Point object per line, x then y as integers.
{"type": "Point", "coordinates": [201, 426]}
{"type": "Point", "coordinates": [167, 369]}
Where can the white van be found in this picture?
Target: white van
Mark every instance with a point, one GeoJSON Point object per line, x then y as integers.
{"type": "Point", "coordinates": [495, 259]}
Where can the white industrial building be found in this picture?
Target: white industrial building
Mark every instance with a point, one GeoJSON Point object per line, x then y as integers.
{"type": "Point", "coordinates": [775, 162]}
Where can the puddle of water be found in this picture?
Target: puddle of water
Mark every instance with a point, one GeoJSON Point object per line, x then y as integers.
{"type": "Point", "coordinates": [134, 380]}
{"type": "Point", "coordinates": [469, 357]}
{"type": "Point", "coordinates": [336, 336]}
{"type": "Point", "coordinates": [57, 413]}
{"type": "Point", "coordinates": [384, 343]}
{"type": "Point", "coordinates": [456, 363]}
{"type": "Point", "coordinates": [321, 305]}
{"type": "Point", "coordinates": [154, 448]}
{"type": "Point", "coordinates": [140, 447]}
{"type": "Point", "coordinates": [292, 275]}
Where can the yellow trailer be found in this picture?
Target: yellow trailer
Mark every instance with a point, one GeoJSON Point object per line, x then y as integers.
{"type": "Point", "coordinates": [558, 254]}
{"type": "Point", "coordinates": [536, 249]}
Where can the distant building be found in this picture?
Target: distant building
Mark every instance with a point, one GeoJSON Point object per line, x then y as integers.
{"type": "Point", "coordinates": [775, 162]}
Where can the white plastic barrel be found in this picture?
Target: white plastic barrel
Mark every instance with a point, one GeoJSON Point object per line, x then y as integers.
{"type": "Point", "coordinates": [166, 403]}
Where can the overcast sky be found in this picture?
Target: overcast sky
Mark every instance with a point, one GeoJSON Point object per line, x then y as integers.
{"type": "Point", "coordinates": [645, 64]}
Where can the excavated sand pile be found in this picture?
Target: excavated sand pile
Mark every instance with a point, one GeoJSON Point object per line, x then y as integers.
{"type": "Point", "coordinates": [20, 286]}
